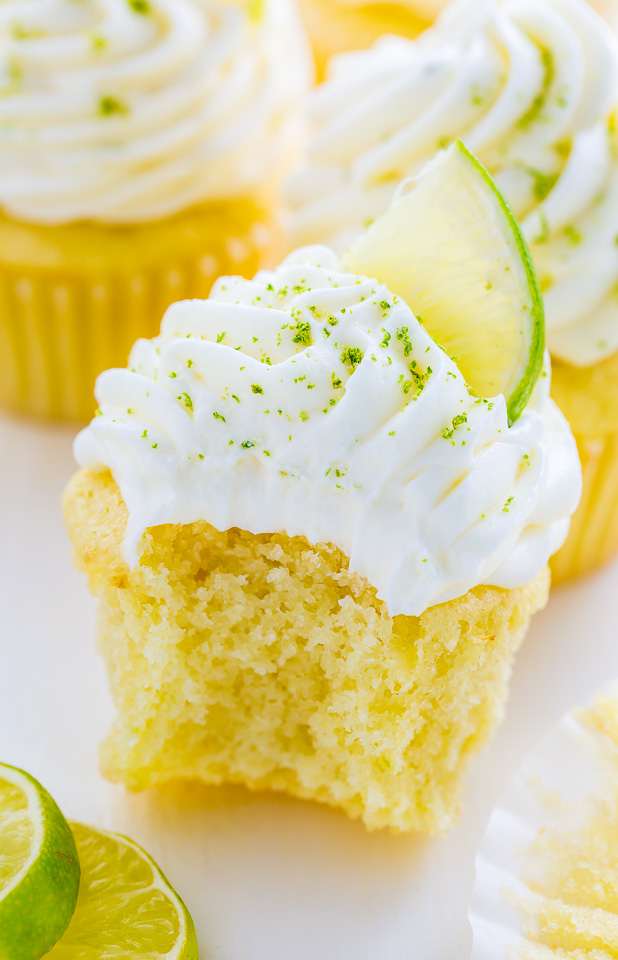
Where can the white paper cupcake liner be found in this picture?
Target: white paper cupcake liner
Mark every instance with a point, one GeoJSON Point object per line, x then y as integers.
{"type": "Point", "coordinates": [561, 782]}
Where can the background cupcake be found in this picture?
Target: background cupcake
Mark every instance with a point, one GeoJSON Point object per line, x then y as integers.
{"type": "Point", "coordinates": [531, 88]}
{"type": "Point", "coordinates": [335, 26]}
{"type": "Point", "coordinates": [141, 145]}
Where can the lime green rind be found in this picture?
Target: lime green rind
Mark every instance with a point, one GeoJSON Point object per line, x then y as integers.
{"type": "Point", "coordinates": [37, 908]}
{"type": "Point", "coordinates": [521, 392]}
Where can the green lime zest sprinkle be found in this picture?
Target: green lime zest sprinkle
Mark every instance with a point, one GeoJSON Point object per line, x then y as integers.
{"type": "Point", "coordinates": [303, 333]}
{"type": "Point", "coordinates": [20, 32]}
{"type": "Point", "coordinates": [98, 42]}
{"type": "Point", "coordinates": [352, 355]}
{"type": "Point", "coordinates": [534, 111]}
{"type": "Point", "coordinates": [543, 182]}
{"type": "Point", "coordinates": [573, 235]}
{"type": "Point", "coordinates": [186, 399]}
{"type": "Point", "coordinates": [140, 6]}
{"type": "Point", "coordinates": [420, 379]}
{"type": "Point", "coordinates": [110, 106]}
{"type": "Point", "coordinates": [256, 388]}
{"type": "Point", "coordinates": [247, 444]}
{"type": "Point", "coordinates": [505, 508]}
{"type": "Point", "coordinates": [477, 96]}
{"type": "Point", "coordinates": [456, 421]}
{"type": "Point", "coordinates": [218, 416]}
{"type": "Point", "coordinates": [404, 337]}
{"type": "Point", "coordinates": [544, 235]}
{"type": "Point", "coordinates": [15, 76]}
{"type": "Point", "coordinates": [387, 338]}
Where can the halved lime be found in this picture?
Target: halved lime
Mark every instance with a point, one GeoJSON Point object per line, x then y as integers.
{"type": "Point", "coordinates": [39, 868]}
{"type": "Point", "coordinates": [451, 248]}
{"type": "Point", "coordinates": [126, 908]}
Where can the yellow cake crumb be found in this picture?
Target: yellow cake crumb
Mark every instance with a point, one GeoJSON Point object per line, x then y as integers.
{"type": "Point", "coordinates": [263, 660]}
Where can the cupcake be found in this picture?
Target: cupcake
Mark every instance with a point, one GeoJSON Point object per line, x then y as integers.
{"type": "Point", "coordinates": [315, 547]}
{"type": "Point", "coordinates": [532, 91]}
{"type": "Point", "coordinates": [546, 884]}
{"type": "Point", "coordinates": [337, 25]}
{"type": "Point", "coordinates": [142, 144]}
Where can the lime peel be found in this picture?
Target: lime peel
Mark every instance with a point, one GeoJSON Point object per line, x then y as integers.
{"type": "Point", "coordinates": [39, 868]}
{"type": "Point", "coordinates": [450, 246]}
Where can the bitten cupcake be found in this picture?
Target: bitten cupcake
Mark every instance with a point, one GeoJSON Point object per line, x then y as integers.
{"type": "Point", "coordinates": [141, 146]}
{"type": "Point", "coordinates": [530, 88]}
{"type": "Point", "coordinates": [316, 548]}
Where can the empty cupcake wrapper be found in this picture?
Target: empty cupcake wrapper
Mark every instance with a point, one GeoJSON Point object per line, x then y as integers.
{"type": "Point", "coordinates": [526, 903]}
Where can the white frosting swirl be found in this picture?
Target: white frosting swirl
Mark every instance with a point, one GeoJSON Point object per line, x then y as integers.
{"type": "Point", "coordinates": [529, 86]}
{"type": "Point", "coordinates": [130, 110]}
{"type": "Point", "coordinates": [311, 401]}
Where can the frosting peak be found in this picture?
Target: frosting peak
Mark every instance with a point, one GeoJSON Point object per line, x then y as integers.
{"type": "Point", "coordinates": [530, 88]}
{"type": "Point", "coordinates": [312, 401]}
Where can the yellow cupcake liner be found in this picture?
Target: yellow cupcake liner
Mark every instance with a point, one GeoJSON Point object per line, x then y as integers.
{"type": "Point", "coordinates": [588, 397]}
{"type": "Point", "coordinates": [337, 25]}
{"type": "Point", "coordinates": [593, 536]}
{"type": "Point", "coordinates": [73, 299]}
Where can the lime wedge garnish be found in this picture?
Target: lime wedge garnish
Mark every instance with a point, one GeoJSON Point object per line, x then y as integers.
{"type": "Point", "coordinates": [126, 908]}
{"type": "Point", "coordinates": [451, 248]}
{"type": "Point", "coordinates": [39, 869]}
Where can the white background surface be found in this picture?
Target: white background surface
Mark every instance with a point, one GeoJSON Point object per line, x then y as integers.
{"type": "Point", "coordinates": [266, 878]}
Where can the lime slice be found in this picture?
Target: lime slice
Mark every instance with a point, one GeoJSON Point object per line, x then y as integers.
{"type": "Point", "coordinates": [39, 869]}
{"type": "Point", "coordinates": [126, 908]}
{"type": "Point", "coordinates": [451, 248]}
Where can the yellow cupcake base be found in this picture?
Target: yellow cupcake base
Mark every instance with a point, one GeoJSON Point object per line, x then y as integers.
{"type": "Point", "coordinates": [263, 660]}
{"type": "Point", "coordinates": [336, 25]}
{"type": "Point", "coordinates": [589, 399]}
{"type": "Point", "coordinates": [74, 298]}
